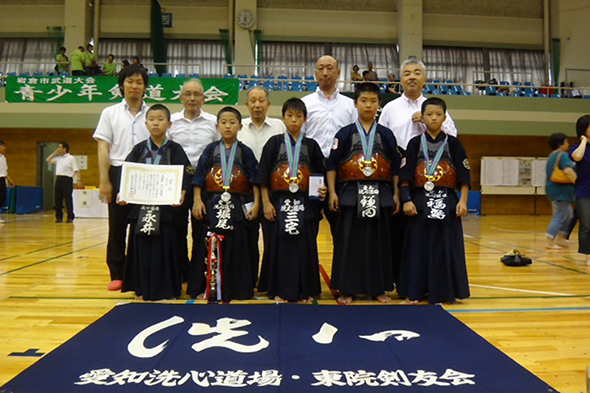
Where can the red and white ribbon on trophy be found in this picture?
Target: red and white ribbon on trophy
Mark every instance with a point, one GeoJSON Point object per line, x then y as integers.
{"type": "Point", "coordinates": [214, 286]}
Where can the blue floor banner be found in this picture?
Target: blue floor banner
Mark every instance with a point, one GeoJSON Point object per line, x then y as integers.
{"type": "Point", "coordinates": [284, 348]}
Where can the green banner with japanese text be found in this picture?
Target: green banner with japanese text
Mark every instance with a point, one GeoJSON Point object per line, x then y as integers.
{"type": "Point", "coordinates": [103, 89]}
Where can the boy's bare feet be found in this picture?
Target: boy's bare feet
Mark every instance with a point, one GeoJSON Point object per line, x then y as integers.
{"type": "Point", "coordinates": [413, 302]}
{"type": "Point", "coordinates": [308, 300]}
{"type": "Point", "coordinates": [279, 299]}
{"type": "Point", "coordinates": [588, 260]}
{"type": "Point", "coordinates": [201, 296]}
{"type": "Point", "coordinates": [343, 299]}
{"type": "Point", "coordinates": [383, 299]}
{"type": "Point", "coordinates": [139, 298]}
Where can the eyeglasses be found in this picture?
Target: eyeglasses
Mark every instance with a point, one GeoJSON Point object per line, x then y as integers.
{"type": "Point", "coordinates": [189, 95]}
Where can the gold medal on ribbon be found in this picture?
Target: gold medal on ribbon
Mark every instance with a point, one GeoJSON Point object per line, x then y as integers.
{"type": "Point", "coordinates": [438, 174]}
{"type": "Point", "coordinates": [368, 167]}
{"type": "Point", "coordinates": [293, 181]}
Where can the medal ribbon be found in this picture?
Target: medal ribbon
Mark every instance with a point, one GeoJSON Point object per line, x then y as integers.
{"type": "Point", "coordinates": [431, 165]}
{"type": "Point", "coordinates": [159, 153]}
{"type": "Point", "coordinates": [368, 141]}
{"type": "Point", "coordinates": [227, 163]}
{"type": "Point", "coordinates": [293, 154]}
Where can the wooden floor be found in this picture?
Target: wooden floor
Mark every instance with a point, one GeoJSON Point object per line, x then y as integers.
{"type": "Point", "coordinates": [53, 284]}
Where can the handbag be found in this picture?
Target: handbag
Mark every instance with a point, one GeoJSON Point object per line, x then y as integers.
{"type": "Point", "coordinates": [558, 175]}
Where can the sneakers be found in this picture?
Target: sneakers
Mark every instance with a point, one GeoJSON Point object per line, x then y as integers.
{"type": "Point", "coordinates": [115, 285]}
{"type": "Point", "coordinates": [69, 221]}
{"type": "Point", "coordinates": [59, 220]}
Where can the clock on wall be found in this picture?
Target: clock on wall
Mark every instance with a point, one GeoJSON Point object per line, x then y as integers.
{"type": "Point", "coordinates": [245, 19]}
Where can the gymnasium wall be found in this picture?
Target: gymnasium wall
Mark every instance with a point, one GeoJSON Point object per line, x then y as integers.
{"type": "Point", "coordinates": [488, 126]}
{"type": "Point", "coordinates": [497, 126]}
{"type": "Point", "coordinates": [464, 22]}
{"type": "Point", "coordinates": [475, 23]}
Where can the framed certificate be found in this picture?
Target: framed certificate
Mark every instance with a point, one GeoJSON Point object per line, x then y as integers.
{"type": "Point", "coordinates": [145, 184]}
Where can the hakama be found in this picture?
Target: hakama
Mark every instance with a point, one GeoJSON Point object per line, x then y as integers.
{"type": "Point", "coordinates": [433, 263]}
{"type": "Point", "coordinates": [362, 261]}
{"type": "Point", "coordinates": [152, 265]}
{"type": "Point", "coordinates": [290, 263]}
{"type": "Point", "coordinates": [434, 257]}
{"type": "Point", "coordinates": [239, 248]}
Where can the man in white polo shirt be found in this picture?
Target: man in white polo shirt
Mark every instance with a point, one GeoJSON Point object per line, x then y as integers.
{"type": "Point", "coordinates": [258, 128]}
{"type": "Point", "coordinates": [327, 112]}
{"type": "Point", "coordinates": [4, 178]}
{"type": "Point", "coordinates": [404, 118]}
{"type": "Point", "coordinates": [193, 129]}
{"type": "Point", "coordinates": [403, 115]}
{"type": "Point", "coordinates": [66, 171]}
{"type": "Point", "coordinates": [120, 127]}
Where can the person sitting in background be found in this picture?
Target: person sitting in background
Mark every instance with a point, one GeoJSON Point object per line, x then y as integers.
{"type": "Point", "coordinates": [62, 61]}
{"type": "Point", "coordinates": [546, 89]}
{"type": "Point", "coordinates": [366, 77]}
{"type": "Point", "coordinates": [110, 67]}
{"type": "Point", "coordinates": [372, 73]}
{"type": "Point", "coordinates": [392, 87]}
{"type": "Point", "coordinates": [137, 62]}
{"type": "Point", "coordinates": [354, 74]}
{"type": "Point", "coordinates": [561, 195]}
{"type": "Point", "coordinates": [575, 93]}
{"type": "Point", "coordinates": [125, 63]}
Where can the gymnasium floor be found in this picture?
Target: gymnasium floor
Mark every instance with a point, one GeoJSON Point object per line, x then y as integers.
{"type": "Point", "coordinates": [53, 284]}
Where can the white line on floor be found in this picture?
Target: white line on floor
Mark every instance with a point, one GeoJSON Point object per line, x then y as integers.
{"type": "Point", "coordinates": [520, 290]}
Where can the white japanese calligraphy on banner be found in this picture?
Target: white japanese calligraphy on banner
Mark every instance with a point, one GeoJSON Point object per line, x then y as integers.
{"type": "Point", "coordinates": [151, 184]}
{"type": "Point", "coordinates": [102, 89]}
{"type": "Point", "coordinates": [241, 379]}
{"type": "Point", "coordinates": [276, 348]}
{"type": "Point", "coordinates": [225, 330]}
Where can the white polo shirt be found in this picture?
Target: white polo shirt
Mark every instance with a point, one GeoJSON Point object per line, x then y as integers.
{"type": "Point", "coordinates": [325, 117]}
{"type": "Point", "coordinates": [397, 116]}
{"type": "Point", "coordinates": [194, 135]}
{"type": "Point", "coordinates": [65, 165]}
{"type": "Point", "coordinates": [255, 138]}
{"type": "Point", "coordinates": [121, 130]}
{"type": "Point", "coordinates": [3, 166]}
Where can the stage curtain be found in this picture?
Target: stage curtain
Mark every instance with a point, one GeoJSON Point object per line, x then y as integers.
{"type": "Point", "coordinates": [456, 64]}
